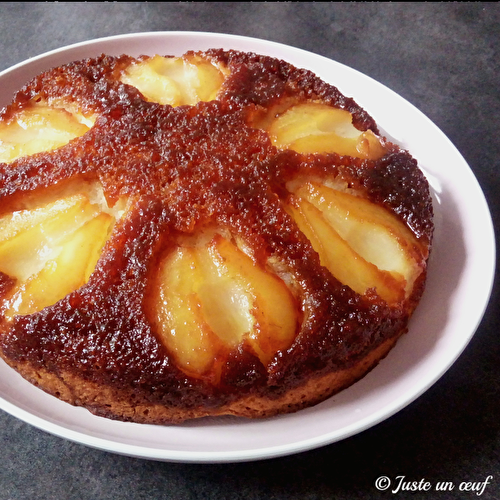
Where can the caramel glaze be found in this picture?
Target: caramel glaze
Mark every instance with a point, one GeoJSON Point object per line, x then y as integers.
{"type": "Point", "coordinates": [185, 169]}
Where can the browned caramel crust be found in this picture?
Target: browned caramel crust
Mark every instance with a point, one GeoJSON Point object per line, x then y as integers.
{"type": "Point", "coordinates": [127, 403]}
{"type": "Point", "coordinates": [187, 168]}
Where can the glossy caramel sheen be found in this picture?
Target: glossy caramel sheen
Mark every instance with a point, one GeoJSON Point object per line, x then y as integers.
{"type": "Point", "coordinates": [185, 170]}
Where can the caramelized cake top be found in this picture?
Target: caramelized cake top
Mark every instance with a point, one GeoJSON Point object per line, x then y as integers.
{"type": "Point", "coordinates": [225, 190]}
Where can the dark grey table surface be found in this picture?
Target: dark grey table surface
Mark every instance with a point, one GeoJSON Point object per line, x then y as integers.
{"type": "Point", "coordinates": [443, 58]}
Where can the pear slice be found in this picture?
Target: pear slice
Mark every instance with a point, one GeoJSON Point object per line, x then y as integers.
{"type": "Point", "coordinates": [318, 128]}
{"type": "Point", "coordinates": [264, 302]}
{"type": "Point", "coordinates": [29, 238]}
{"type": "Point", "coordinates": [370, 230]}
{"type": "Point", "coordinates": [174, 80]}
{"type": "Point", "coordinates": [340, 204]}
{"type": "Point", "coordinates": [38, 128]}
{"type": "Point", "coordinates": [340, 259]}
{"type": "Point", "coordinates": [67, 272]}
{"type": "Point", "coordinates": [182, 327]}
{"type": "Point", "coordinates": [208, 80]}
{"type": "Point", "coordinates": [226, 302]}
{"type": "Point", "coordinates": [373, 235]}
{"type": "Point", "coordinates": [212, 298]}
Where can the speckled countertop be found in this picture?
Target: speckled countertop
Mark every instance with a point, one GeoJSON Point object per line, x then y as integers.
{"type": "Point", "coordinates": [444, 58]}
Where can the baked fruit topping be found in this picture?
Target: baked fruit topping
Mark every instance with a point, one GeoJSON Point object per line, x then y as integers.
{"type": "Point", "coordinates": [217, 233]}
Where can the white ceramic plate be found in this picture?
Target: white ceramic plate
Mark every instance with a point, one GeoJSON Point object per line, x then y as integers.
{"type": "Point", "coordinates": [459, 285]}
